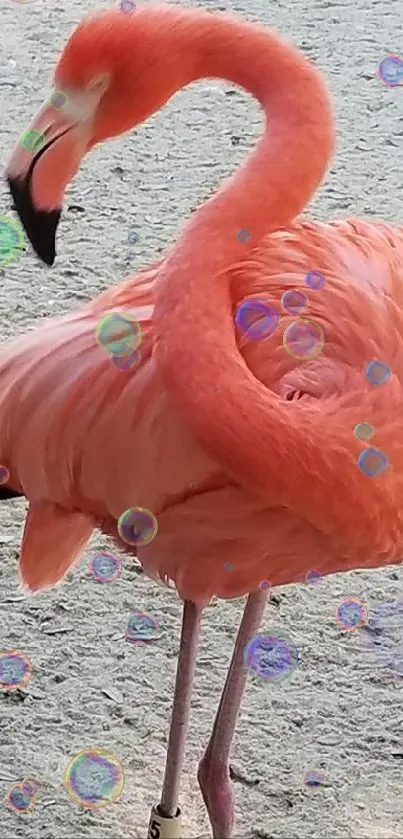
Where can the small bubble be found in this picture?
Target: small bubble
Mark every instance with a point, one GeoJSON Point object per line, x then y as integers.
{"type": "Point", "coordinates": [377, 372]}
{"type": "Point", "coordinates": [18, 800]}
{"type": "Point", "coordinates": [372, 462]}
{"type": "Point", "coordinates": [256, 318]}
{"type": "Point", "coordinates": [12, 240]}
{"type": "Point", "coordinates": [364, 431]}
{"type": "Point", "coordinates": [137, 526]}
{"type": "Point", "coordinates": [304, 339]}
{"type": "Point", "coordinates": [127, 6]}
{"type": "Point", "coordinates": [243, 236]}
{"type": "Point", "coordinates": [273, 656]}
{"type": "Point", "coordinates": [312, 577]}
{"type": "Point", "coordinates": [314, 779]}
{"type": "Point", "coordinates": [31, 786]}
{"type": "Point", "coordinates": [141, 628]}
{"type": "Point", "coordinates": [228, 566]}
{"type": "Point", "coordinates": [133, 238]}
{"type": "Point", "coordinates": [264, 585]}
{"type": "Point", "coordinates": [94, 778]}
{"type": "Point", "coordinates": [127, 362]}
{"type": "Point", "coordinates": [315, 280]}
{"type": "Point", "coordinates": [105, 567]}
{"type": "Point", "coordinates": [351, 613]}
{"type": "Point", "coordinates": [390, 70]}
{"type": "Point", "coordinates": [32, 140]}
{"type": "Point", "coordinates": [4, 475]}
{"type": "Point", "coordinates": [119, 335]}
{"type": "Point", "coordinates": [15, 670]}
{"type": "Point", "coordinates": [58, 100]}
{"type": "Point", "coordinates": [294, 301]}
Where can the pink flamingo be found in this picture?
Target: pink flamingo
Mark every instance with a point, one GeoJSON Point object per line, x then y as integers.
{"type": "Point", "coordinates": [242, 452]}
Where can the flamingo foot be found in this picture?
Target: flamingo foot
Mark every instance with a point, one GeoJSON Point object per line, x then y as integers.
{"type": "Point", "coordinates": [218, 795]}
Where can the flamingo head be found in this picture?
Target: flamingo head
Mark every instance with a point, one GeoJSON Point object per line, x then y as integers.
{"type": "Point", "coordinates": [114, 72]}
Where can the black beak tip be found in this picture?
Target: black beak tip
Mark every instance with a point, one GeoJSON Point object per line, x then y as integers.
{"type": "Point", "coordinates": [40, 226]}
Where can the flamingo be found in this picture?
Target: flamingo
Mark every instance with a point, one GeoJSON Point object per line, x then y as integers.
{"type": "Point", "coordinates": [244, 454]}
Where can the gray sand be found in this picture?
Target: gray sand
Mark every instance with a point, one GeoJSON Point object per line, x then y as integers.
{"type": "Point", "coordinates": [340, 711]}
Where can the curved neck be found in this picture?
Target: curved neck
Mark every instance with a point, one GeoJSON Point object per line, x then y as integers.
{"type": "Point", "coordinates": [234, 418]}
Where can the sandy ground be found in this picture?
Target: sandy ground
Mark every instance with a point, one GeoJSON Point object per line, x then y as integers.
{"type": "Point", "coordinates": [341, 711]}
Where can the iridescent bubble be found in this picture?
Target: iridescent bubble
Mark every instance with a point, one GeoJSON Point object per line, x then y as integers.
{"type": "Point", "coordinates": [105, 567]}
{"type": "Point", "coordinates": [294, 301]}
{"type": "Point", "coordinates": [243, 236]}
{"type": "Point", "coordinates": [264, 585]}
{"type": "Point", "coordinates": [364, 431]}
{"type": "Point", "coordinates": [137, 526]}
{"type": "Point", "coordinates": [94, 778]}
{"type": "Point", "coordinates": [133, 237]}
{"type": "Point", "coordinates": [58, 100]}
{"type": "Point", "coordinates": [377, 372]}
{"type": "Point", "coordinates": [383, 635]}
{"type": "Point", "coordinates": [12, 240]}
{"type": "Point", "coordinates": [33, 140]}
{"type": "Point", "coordinates": [312, 577]}
{"type": "Point", "coordinates": [304, 339]}
{"type": "Point", "coordinates": [228, 566]}
{"type": "Point", "coordinates": [141, 628]}
{"type": "Point", "coordinates": [118, 335]}
{"type": "Point", "coordinates": [351, 613]}
{"type": "Point", "coordinates": [31, 786]}
{"type": "Point", "coordinates": [315, 280]}
{"type": "Point", "coordinates": [274, 657]}
{"type": "Point", "coordinates": [390, 70]}
{"type": "Point", "coordinates": [127, 362]}
{"type": "Point", "coordinates": [372, 462]}
{"type": "Point", "coordinates": [4, 475]}
{"type": "Point", "coordinates": [314, 779]}
{"type": "Point", "coordinates": [127, 6]}
{"type": "Point", "coordinates": [256, 318]}
{"type": "Point", "coordinates": [15, 670]}
{"type": "Point", "coordinates": [18, 800]}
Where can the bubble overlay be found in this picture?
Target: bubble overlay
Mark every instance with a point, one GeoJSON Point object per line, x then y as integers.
{"type": "Point", "coordinates": [127, 362]}
{"type": "Point", "coordinates": [32, 140]}
{"type": "Point", "coordinates": [243, 236]}
{"type": "Point", "coordinates": [141, 628]}
{"type": "Point", "coordinates": [256, 318]}
{"type": "Point", "coordinates": [390, 70]}
{"type": "Point", "coordinates": [105, 567]}
{"type": "Point", "coordinates": [304, 339]}
{"type": "Point", "coordinates": [364, 431]}
{"type": "Point", "coordinates": [315, 280]}
{"type": "Point", "coordinates": [4, 475]}
{"type": "Point", "coordinates": [137, 526]}
{"type": "Point", "coordinates": [314, 779]}
{"type": "Point", "coordinates": [58, 100]}
{"type": "Point", "coordinates": [294, 301]}
{"type": "Point", "coordinates": [127, 6]}
{"type": "Point", "coordinates": [377, 372]}
{"type": "Point", "coordinates": [351, 614]}
{"type": "Point", "coordinates": [264, 585]}
{"type": "Point", "coordinates": [383, 634]}
{"type": "Point", "coordinates": [372, 462]}
{"type": "Point", "coordinates": [119, 335]}
{"type": "Point", "coordinates": [312, 577]}
{"type": "Point", "coordinates": [15, 670]}
{"type": "Point", "coordinates": [94, 778]}
{"type": "Point", "coordinates": [19, 800]}
{"type": "Point", "coordinates": [12, 240]}
{"type": "Point", "coordinates": [274, 656]}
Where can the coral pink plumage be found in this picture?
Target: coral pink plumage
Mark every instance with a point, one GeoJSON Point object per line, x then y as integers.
{"type": "Point", "coordinates": [202, 433]}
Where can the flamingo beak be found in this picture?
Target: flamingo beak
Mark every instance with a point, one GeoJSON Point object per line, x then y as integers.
{"type": "Point", "coordinates": [45, 159]}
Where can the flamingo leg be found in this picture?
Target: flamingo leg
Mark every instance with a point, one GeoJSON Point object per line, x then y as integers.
{"type": "Point", "coordinates": [213, 774]}
{"type": "Point", "coordinates": [181, 708]}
